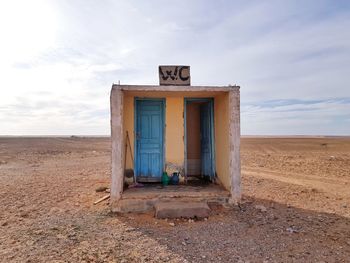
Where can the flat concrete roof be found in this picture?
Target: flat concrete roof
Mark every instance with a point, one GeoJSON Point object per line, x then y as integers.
{"type": "Point", "coordinates": [174, 88]}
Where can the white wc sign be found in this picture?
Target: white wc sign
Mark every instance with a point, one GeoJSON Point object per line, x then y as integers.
{"type": "Point", "coordinates": [174, 75]}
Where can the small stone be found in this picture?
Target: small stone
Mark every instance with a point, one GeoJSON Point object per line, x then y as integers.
{"type": "Point", "coordinates": [29, 242]}
{"type": "Point", "coordinates": [39, 232]}
{"type": "Point", "coordinates": [60, 236]}
{"type": "Point", "coordinates": [172, 224]}
{"type": "Point", "coordinates": [101, 189]}
{"type": "Point", "coordinates": [24, 214]}
{"type": "Point", "coordinates": [261, 208]}
{"type": "Point", "coordinates": [291, 230]}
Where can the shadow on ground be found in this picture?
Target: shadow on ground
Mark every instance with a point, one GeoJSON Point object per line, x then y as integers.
{"type": "Point", "coordinates": [249, 233]}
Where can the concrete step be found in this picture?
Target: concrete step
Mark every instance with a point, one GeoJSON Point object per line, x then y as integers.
{"type": "Point", "coordinates": [176, 209]}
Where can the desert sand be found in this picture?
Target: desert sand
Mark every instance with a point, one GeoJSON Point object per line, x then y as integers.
{"type": "Point", "coordinates": [295, 207]}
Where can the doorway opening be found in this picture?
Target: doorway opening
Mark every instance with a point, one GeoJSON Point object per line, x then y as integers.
{"type": "Point", "coordinates": [199, 140]}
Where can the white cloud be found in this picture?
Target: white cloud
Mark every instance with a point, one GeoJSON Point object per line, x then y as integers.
{"type": "Point", "coordinates": [324, 117]}
{"type": "Point", "coordinates": [59, 59]}
{"type": "Point", "coordinates": [27, 29]}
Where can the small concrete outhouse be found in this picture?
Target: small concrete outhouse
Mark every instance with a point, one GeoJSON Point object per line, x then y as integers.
{"type": "Point", "coordinates": [194, 130]}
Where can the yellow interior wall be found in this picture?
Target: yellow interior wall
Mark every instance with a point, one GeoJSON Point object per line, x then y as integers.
{"type": "Point", "coordinates": [174, 134]}
{"type": "Point", "coordinates": [174, 130]}
{"type": "Point", "coordinates": [128, 122]}
{"type": "Point", "coordinates": [221, 123]}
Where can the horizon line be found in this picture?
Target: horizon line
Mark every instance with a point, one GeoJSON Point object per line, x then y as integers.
{"type": "Point", "coordinates": [108, 136]}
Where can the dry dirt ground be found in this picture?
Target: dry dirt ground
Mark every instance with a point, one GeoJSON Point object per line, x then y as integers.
{"type": "Point", "coordinates": [47, 190]}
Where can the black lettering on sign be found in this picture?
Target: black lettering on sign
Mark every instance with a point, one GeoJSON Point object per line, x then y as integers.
{"type": "Point", "coordinates": [182, 75]}
{"type": "Point", "coordinates": [174, 75]}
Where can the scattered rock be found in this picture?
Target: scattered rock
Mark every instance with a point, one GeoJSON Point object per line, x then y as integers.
{"type": "Point", "coordinates": [172, 224]}
{"type": "Point", "coordinates": [39, 232]}
{"type": "Point", "coordinates": [30, 243]}
{"type": "Point", "coordinates": [291, 230]}
{"type": "Point", "coordinates": [101, 189]}
{"type": "Point", "coordinates": [24, 214]}
{"type": "Point", "coordinates": [261, 208]}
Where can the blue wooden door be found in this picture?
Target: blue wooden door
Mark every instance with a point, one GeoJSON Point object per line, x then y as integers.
{"type": "Point", "coordinates": [206, 129]}
{"type": "Point", "coordinates": [149, 140]}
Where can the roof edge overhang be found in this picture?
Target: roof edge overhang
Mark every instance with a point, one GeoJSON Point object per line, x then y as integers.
{"type": "Point", "coordinates": [174, 88]}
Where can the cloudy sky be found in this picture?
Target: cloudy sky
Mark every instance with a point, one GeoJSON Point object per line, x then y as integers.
{"type": "Point", "coordinates": [58, 60]}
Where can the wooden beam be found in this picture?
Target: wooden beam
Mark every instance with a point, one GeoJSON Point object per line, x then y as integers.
{"type": "Point", "coordinates": [102, 199]}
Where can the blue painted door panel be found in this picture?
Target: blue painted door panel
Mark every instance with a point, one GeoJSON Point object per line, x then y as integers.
{"type": "Point", "coordinates": [207, 168]}
{"type": "Point", "coordinates": [149, 139]}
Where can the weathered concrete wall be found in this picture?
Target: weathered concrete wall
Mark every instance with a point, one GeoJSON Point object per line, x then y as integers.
{"type": "Point", "coordinates": [227, 129]}
{"type": "Point", "coordinates": [117, 141]}
{"type": "Point", "coordinates": [234, 142]}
